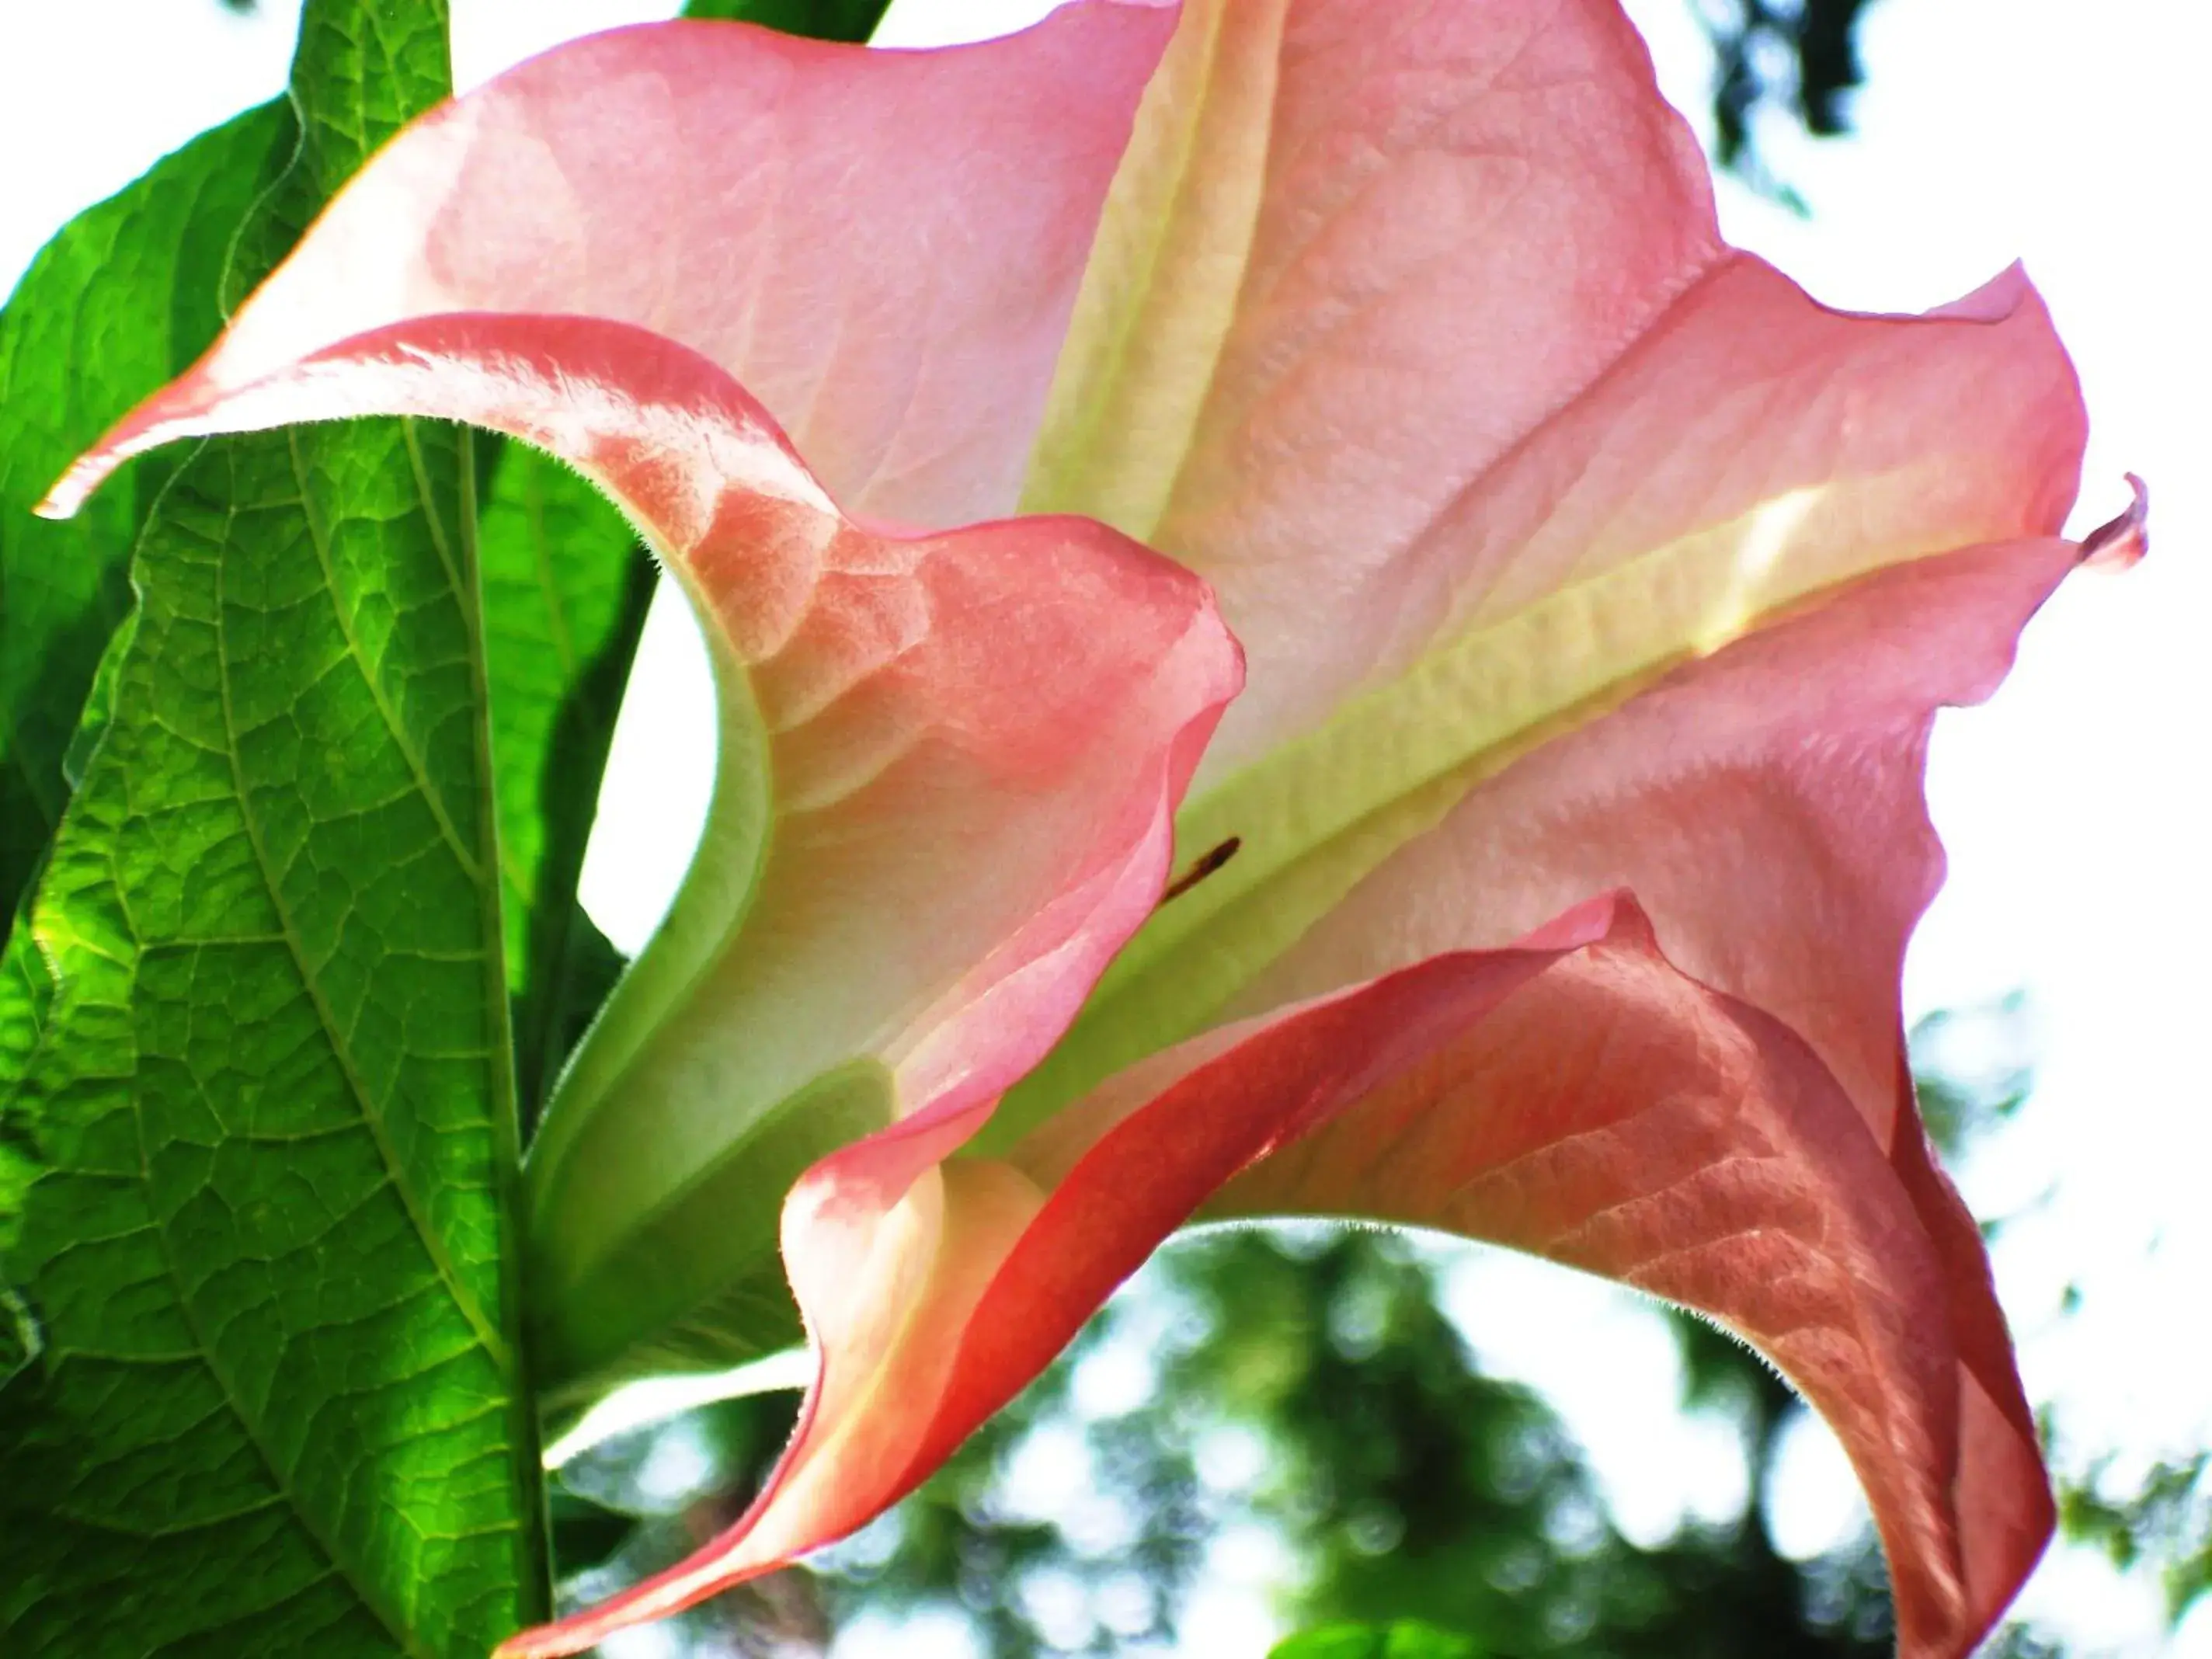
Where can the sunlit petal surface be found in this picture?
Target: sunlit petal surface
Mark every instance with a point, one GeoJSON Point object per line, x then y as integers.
{"type": "Point", "coordinates": [883, 247]}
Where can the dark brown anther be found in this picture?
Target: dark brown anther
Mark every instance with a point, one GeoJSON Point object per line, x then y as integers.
{"type": "Point", "coordinates": [1206, 865]}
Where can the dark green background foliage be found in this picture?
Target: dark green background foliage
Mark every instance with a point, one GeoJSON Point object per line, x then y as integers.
{"type": "Point", "coordinates": [138, 275]}
{"type": "Point", "coordinates": [1401, 1638]}
{"type": "Point", "coordinates": [2162, 1523]}
{"type": "Point", "coordinates": [1798, 56]}
{"type": "Point", "coordinates": [823, 20]}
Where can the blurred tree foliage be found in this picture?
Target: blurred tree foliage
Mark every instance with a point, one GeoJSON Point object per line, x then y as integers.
{"type": "Point", "coordinates": [1975, 1075]}
{"type": "Point", "coordinates": [1797, 57]}
{"type": "Point", "coordinates": [2159, 1522]}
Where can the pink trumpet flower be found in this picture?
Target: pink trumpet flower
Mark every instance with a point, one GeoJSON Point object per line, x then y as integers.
{"type": "Point", "coordinates": [1548, 883]}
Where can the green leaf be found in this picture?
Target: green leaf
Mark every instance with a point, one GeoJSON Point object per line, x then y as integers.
{"type": "Point", "coordinates": [258, 1159]}
{"type": "Point", "coordinates": [362, 69]}
{"type": "Point", "coordinates": [1404, 1638]}
{"type": "Point", "coordinates": [117, 304]}
{"type": "Point", "coordinates": [851, 20]}
{"type": "Point", "coordinates": [27, 989]}
{"type": "Point", "coordinates": [566, 586]}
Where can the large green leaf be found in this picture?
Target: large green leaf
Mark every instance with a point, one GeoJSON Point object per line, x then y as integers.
{"type": "Point", "coordinates": [119, 302]}
{"type": "Point", "coordinates": [256, 1117]}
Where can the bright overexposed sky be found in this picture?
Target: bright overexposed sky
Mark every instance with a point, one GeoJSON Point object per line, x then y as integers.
{"type": "Point", "coordinates": [2068, 133]}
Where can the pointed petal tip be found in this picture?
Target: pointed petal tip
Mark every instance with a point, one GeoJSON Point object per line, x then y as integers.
{"type": "Point", "coordinates": [1995, 301]}
{"type": "Point", "coordinates": [167, 415]}
{"type": "Point", "coordinates": [2120, 543]}
{"type": "Point", "coordinates": [73, 488]}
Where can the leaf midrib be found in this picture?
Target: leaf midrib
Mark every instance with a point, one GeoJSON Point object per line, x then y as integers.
{"type": "Point", "coordinates": [495, 1344]}
{"type": "Point", "coordinates": [400, 740]}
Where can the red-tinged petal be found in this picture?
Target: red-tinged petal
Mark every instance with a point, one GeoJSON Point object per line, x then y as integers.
{"type": "Point", "coordinates": [1575, 1095]}
{"type": "Point", "coordinates": [1347, 265]}
{"type": "Point", "coordinates": [882, 247]}
{"type": "Point", "coordinates": [1765, 806]}
{"type": "Point", "coordinates": [2121, 542]}
{"type": "Point", "coordinates": [1621, 1117]}
{"type": "Point", "coordinates": [936, 1286]}
{"type": "Point", "coordinates": [949, 763]}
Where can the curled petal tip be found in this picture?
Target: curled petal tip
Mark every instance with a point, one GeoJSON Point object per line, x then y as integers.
{"type": "Point", "coordinates": [2122, 541]}
{"type": "Point", "coordinates": [1587, 923]}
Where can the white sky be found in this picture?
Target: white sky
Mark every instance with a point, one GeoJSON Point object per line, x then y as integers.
{"type": "Point", "coordinates": [2067, 132]}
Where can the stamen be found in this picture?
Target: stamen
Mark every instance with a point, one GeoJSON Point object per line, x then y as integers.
{"type": "Point", "coordinates": [1206, 865]}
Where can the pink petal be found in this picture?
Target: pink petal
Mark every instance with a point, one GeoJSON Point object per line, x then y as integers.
{"type": "Point", "coordinates": [1580, 1092]}
{"type": "Point", "coordinates": [1753, 444]}
{"type": "Point", "coordinates": [883, 247]}
{"type": "Point", "coordinates": [1810, 446]}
